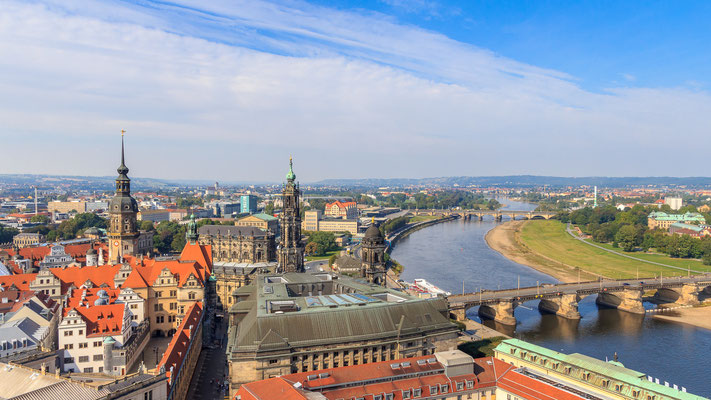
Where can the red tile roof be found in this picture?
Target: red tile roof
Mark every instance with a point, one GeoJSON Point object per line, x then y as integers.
{"type": "Point", "coordinates": [145, 274]}
{"type": "Point", "coordinates": [202, 254]}
{"type": "Point", "coordinates": [102, 320]}
{"type": "Point", "coordinates": [76, 301]}
{"type": "Point", "coordinates": [21, 281]}
{"type": "Point", "coordinates": [341, 204]}
{"type": "Point", "coordinates": [178, 347]}
{"type": "Point", "coordinates": [97, 275]}
{"type": "Point", "coordinates": [344, 381]}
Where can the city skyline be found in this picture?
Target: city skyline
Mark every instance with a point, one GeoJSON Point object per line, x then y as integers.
{"type": "Point", "coordinates": [375, 89]}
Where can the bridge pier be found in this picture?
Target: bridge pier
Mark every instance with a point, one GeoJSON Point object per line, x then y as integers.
{"type": "Point", "coordinates": [626, 300]}
{"type": "Point", "coordinates": [687, 295]}
{"type": "Point", "coordinates": [481, 217]}
{"type": "Point", "coordinates": [565, 306]}
{"type": "Point", "coordinates": [458, 314]}
{"type": "Point", "coordinates": [498, 218]}
{"type": "Point", "coordinates": [501, 312]}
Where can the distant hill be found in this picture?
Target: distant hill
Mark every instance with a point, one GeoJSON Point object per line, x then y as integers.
{"type": "Point", "coordinates": [522, 181]}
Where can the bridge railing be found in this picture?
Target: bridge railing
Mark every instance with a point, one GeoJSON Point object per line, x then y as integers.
{"type": "Point", "coordinates": [649, 283]}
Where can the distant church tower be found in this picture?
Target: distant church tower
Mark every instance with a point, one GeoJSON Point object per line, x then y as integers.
{"type": "Point", "coordinates": [291, 249]}
{"type": "Point", "coordinates": [123, 231]}
{"type": "Point", "coordinates": [373, 253]}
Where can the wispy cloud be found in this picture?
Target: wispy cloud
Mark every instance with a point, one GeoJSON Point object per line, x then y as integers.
{"type": "Point", "coordinates": [232, 87]}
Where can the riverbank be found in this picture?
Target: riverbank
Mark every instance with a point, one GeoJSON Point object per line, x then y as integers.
{"type": "Point", "coordinates": [695, 316]}
{"type": "Point", "coordinates": [504, 238]}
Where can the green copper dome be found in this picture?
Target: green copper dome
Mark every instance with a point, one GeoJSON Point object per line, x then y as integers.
{"type": "Point", "coordinates": [290, 176]}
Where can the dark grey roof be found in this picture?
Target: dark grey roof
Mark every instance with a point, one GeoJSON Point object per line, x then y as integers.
{"type": "Point", "coordinates": [230, 230]}
{"type": "Point", "coordinates": [400, 314]}
{"type": "Point", "coordinates": [348, 262]}
{"type": "Point", "coordinates": [373, 232]}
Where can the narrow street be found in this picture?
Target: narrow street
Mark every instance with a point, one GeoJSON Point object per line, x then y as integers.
{"type": "Point", "coordinates": [211, 369]}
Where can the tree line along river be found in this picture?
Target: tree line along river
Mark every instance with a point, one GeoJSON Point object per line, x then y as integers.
{"type": "Point", "coordinates": [455, 254]}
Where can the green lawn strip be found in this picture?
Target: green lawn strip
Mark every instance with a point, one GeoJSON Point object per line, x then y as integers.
{"type": "Point", "coordinates": [420, 218]}
{"type": "Point", "coordinates": [550, 239]}
{"type": "Point", "coordinates": [325, 256]}
{"type": "Point", "coordinates": [660, 258]}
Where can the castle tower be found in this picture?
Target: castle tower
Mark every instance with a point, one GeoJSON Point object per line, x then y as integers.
{"type": "Point", "coordinates": [123, 209]}
{"type": "Point", "coordinates": [373, 253]}
{"type": "Point", "coordinates": [291, 249]}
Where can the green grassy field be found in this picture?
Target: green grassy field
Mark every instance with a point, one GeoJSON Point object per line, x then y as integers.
{"type": "Point", "coordinates": [549, 239]}
{"type": "Point", "coordinates": [420, 218]}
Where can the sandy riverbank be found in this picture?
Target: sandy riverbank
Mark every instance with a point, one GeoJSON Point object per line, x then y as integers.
{"type": "Point", "coordinates": [504, 239]}
{"type": "Point", "coordinates": [696, 316]}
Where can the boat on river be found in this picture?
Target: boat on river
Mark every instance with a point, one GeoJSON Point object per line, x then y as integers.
{"type": "Point", "coordinates": [427, 287]}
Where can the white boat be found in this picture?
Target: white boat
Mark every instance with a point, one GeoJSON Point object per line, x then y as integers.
{"type": "Point", "coordinates": [430, 288]}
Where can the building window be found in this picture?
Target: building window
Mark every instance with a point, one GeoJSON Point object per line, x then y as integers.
{"type": "Point", "coordinates": [173, 293]}
{"type": "Point", "coordinates": [433, 390]}
{"type": "Point", "coordinates": [68, 346]}
{"type": "Point", "coordinates": [191, 296]}
{"type": "Point", "coordinates": [460, 386]}
{"type": "Point", "coordinates": [83, 358]}
{"type": "Point", "coordinates": [83, 345]}
{"type": "Point", "coordinates": [445, 389]}
{"type": "Point", "coordinates": [470, 384]}
{"type": "Point", "coordinates": [97, 343]}
{"type": "Point", "coordinates": [148, 395]}
{"type": "Point", "coordinates": [98, 357]}
{"type": "Point", "coordinates": [69, 360]}
{"type": "Point", "coordinates": [416, 392]}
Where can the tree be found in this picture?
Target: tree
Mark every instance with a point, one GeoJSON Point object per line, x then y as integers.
{"type": "Point", "coordinates": [269, 208]}
{"type": "Point", "coordinates": [147, 226]}
{"type": "Point", "coordinates": [41, 219]}
{"type": "Point", "coordinates": [312, 249]}
{"type": "Point", "coordinates": [626, 237]}
{"type": "Point", "coordinates": [326, 241]}
{"type": "Point", "coordinates": [6, 234]}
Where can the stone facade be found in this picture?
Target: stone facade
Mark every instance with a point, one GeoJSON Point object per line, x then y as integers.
{"type": "Point", "coordinates": [238, 244]}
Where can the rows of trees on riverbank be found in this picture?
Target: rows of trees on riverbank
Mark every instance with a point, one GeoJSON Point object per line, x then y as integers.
{"type": "Point", "coordinates": [629, 231]}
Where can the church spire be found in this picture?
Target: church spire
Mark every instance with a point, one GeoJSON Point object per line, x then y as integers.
{"type": "Point", "coordinates": [122, 169]}
{"type": "Point", "coordinates": [291, 176]}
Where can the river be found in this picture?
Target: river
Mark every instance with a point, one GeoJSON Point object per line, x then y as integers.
{"type": "Point", "coordinates": [453, 253]}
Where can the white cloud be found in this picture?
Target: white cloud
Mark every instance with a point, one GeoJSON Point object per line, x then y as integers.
{"type": "Point", "coordinates": [350, 94]}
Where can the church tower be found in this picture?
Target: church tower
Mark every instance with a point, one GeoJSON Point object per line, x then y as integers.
{"type": "Point", "coordinates": [291, 249]}
{"type": "Point", "coordinates": [373, 253]}
{"type": "Point", "coordinates": [123, 230]}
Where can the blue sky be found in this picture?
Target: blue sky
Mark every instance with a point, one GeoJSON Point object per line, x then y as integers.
{"type": "Point", "coordinates": [227, 90]}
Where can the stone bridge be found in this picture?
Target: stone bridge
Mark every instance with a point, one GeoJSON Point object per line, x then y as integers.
{"type": "Point", "coordinates": [562, 299]}
{"type": "Point", "coordinates": [497, 215]}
